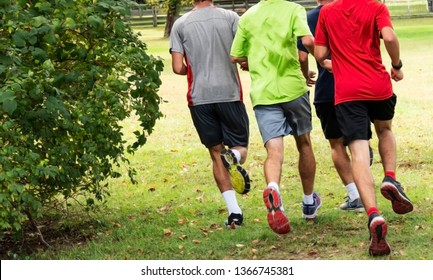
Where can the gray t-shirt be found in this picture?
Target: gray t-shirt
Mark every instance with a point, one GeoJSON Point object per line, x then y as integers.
{"type": "Point", "coordinates": [204, 36]}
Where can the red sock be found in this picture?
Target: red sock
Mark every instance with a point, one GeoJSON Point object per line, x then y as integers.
{"type": "Point", "coordinates": [372, 210]}
{"type": "Point", "coordinates": [390, 174]}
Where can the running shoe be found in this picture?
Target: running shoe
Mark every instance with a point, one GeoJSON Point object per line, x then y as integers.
{"type": "Point", "coordinates": [239, 176]}
{"type": "Point", "coordinates": [354, 205]}
{"type": "Point", "coordinates": [392, 190]}
{"type": "Point", "coordinates": [309, 211]}
{"type": "Point", "coordinates": [234, 221]}
{"type": "Point", "coordinates": [277, 219]}
{"type": "Point", "coordinates": [378, 229]}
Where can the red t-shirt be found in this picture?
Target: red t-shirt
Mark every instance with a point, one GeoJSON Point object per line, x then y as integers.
{"type": "Point", "coordinates": [351, 29]}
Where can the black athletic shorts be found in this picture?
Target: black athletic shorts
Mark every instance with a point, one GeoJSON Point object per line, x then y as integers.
{"type": "Point", "coordinates": [221, 123]}
{"type": "Point", "coordinates": [328, 119]}
{"type": "Point", "coordinates": [355, 117]}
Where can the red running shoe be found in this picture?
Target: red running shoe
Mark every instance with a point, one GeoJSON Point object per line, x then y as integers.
{"type": "Point", "coordinates": [277, 219]}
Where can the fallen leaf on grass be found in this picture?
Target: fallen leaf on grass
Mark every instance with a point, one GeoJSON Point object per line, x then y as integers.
{"type": "Point", "coordinates": [168, 232]}
{"type": "Point", "coordinates": [312, 252]}
{"type": "Point", "coordinates": [419, 227]}
{"type": "Point", "coordinates": [200, 198]}
{"type": "Point", "coordinates": [214, 226]}
{"type": "Point", "coordinates": [164, 209]}
{"type": "Point", "coordinates": [232, 225]}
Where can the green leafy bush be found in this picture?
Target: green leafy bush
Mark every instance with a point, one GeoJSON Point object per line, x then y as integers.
{"type": "Point", "coordinates": [70, 71]}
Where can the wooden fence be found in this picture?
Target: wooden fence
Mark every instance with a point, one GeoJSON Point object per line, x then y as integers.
{"type": "Point", "coordinates": [144, 16]}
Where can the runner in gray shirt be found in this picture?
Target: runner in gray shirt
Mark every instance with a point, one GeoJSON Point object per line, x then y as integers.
{"type": "Point", "coordinates": [200, 43]}
{"type": "Point", "coordinates": [203, 36]}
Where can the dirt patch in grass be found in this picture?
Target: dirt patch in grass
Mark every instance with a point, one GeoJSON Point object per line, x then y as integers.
{"type": "Point", "coordinates": [27, 243]}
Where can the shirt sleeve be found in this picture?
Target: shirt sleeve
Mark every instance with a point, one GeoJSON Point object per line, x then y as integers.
{"type": "Point", "coordinates": [383, 19]}
{"type": "Point", "coordinates": [176, 38]}
{"type": "Point", "coordinates": [300, 25]}
{"type": "Point", "coordinates": [235, 23]}
{"type": "Point", "coordinates": [238, 48]}
{"type": "Point", "coordinates": [301, 47]}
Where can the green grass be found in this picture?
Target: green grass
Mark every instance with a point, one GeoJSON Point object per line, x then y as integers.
{"type": "Point", "coordinates": [175, 212]}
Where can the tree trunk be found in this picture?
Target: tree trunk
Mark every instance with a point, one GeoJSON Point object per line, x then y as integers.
{"type": "Point", "coordinates": [172, 15]}
{"type": "Point", "coordinates": [36, 228]}
{"type": "Point", "coordinates": [155, 17]}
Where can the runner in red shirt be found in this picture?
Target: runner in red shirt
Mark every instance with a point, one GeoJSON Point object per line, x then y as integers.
{"type": "Point", "coordinates": [351, 30]}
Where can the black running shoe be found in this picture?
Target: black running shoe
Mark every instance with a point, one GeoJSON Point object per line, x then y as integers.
{"type": "Point", "coordinates": [234, 220]}
{"type": "Point", "coordinates": [378, 229]}
{"type": "Point", "coordinates": [392, 190]}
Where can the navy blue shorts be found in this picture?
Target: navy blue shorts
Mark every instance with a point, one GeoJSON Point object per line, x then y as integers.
{"type": "Point", "coordinates": [221, 123]}
{"type": "Point", "coordinates": [328, 120]}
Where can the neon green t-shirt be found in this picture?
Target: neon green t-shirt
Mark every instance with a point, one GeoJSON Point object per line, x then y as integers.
{"type": "Point", "coordinates": [267, 34]}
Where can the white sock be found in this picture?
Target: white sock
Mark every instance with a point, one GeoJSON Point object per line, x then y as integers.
{"type": "Point", "coordinates": [274, 185]}
{"type": "Point", "coordinates": [237, 154]}
{"type": "Point", "coordinates": [308, 199]}
{"type": "Point", "coordinates": [231, 202]}
{"type": "Point", "coordinates": [352, 191]}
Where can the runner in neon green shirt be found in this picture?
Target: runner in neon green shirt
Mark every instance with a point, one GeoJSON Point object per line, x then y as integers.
{"type": "Point", "coordinates": [266, 44]}
{"type": "Point", "coordinates": [274, 66]}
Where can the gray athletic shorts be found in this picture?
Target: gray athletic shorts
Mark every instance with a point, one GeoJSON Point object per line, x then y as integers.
{"type": "Point", "coordinates": [282, 119]}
